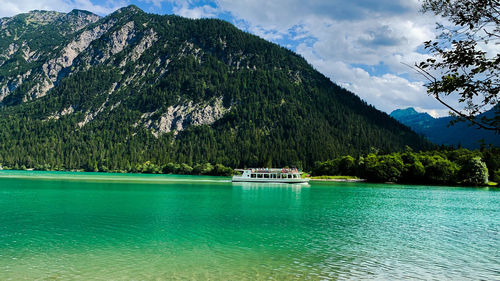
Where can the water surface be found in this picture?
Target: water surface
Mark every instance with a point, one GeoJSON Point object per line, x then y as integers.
{"type": "Point", "coordinates": [118, 227]}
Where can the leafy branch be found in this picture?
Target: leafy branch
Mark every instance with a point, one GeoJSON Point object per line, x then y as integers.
{"type": "Point", "coordinates": [460, 55]}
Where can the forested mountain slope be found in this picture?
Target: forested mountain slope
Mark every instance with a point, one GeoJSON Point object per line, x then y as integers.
{"type": "Point", "coordinates": [80, 91]}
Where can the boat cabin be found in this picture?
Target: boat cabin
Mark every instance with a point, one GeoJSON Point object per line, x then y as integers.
{"type": "Point", "coordinates": [271, 174]}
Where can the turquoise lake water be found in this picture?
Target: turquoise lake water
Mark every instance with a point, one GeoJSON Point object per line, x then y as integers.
{"type": "Point", "coordinates": [91, 226]}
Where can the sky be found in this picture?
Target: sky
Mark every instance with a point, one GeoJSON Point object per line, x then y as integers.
{"type": "Point", "coordinates": [362, 45]}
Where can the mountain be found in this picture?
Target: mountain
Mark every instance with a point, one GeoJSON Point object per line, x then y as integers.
{"type": "Point", "coordinates": [440, 131]}
{"type": "Point", "coordinates": [411, 118]}
{"type": "Point", "coordinates": [81, 91]}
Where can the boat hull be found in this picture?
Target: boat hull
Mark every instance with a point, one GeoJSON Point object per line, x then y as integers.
{"type": "Point", "coordinates": [241, 179]}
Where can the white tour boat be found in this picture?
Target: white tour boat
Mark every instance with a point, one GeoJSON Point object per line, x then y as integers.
{"type": "Point", "coordinates": [284, 175]}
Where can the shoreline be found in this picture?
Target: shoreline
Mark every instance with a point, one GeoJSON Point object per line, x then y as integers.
{"type": "Point", "coordinates": [160, 177]}
{"type": "Point", "coordinates": [340, 180]}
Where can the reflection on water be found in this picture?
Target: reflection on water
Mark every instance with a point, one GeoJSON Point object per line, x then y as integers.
{"type": "Point", "coordinates": [268, 185]}
{"type": "Point", "coordinates": [271, 189]}
{"type": "Point", "coordinates": [269, 195]}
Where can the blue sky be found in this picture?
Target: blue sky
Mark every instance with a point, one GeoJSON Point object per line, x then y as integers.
{"type": "Point", "coordinates": [359, 44]}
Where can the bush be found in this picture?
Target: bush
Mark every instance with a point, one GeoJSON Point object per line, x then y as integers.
{"type": "Point", "coordinates": [185, 169]}
{"type": "Point", "coordinates": [385, 168]}
{"type": "Point", "coordinates": [413, 172]}
{"type": "Point", "coordinates": [149, 168]}
{"type": "Point", "coordinates": [496, 176]}
{"type": "Point", "coordinates": [439, 170]}
{"type": "Point", "coordinates": [221, 170]}
{"type": "Point", "coordinates": [492, 159]}
{"type": "Point", "coordinates": [171, 168]}
{"type": "Point", "coordinates": [473, 172]}
{"type": "Point", "coordinates": [329, 167]}
{"type": "Point", "coordinates": [347, 166]}
{"type": "Point", "coordinates": [203, 169]}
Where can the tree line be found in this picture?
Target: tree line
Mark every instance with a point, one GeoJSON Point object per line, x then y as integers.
{"type": "Point", "coordinates": [450, 167]}
{"type": "Point", "coordinates": [147, 167]}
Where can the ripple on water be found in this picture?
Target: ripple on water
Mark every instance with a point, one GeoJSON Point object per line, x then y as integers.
{"type": "Point", "coordinates": [184, 229]}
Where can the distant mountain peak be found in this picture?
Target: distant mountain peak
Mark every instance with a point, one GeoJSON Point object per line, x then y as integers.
{"type": "Point", "coordinates": [129, 8]}
{"type": "Point", "coordinates": [404, 112]}
{"type": "Point", "coordinates": [78, 11]}
{"type": "Point", "coordinates": [438, 130]}
{"type": "Point", "coordinates": [408, 112]}
{"type": "Point", "coordinates": [78, 19]}
{"type": "Point", "coordinates": [42, 12]}
{"type": "Point", "coordinates": [41, 17]}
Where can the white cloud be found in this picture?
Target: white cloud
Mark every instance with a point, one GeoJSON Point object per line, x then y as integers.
{"type": "Point", "coordinates": [336, 36]}
{"type": "Point", "coordinates": [387, 92]}
{"type": "Point", "coordinates": [13, 7]}
{"type": "Point", "coordinates": [188, 8]}
{"type": "Point", "coordinates": [205, 11]}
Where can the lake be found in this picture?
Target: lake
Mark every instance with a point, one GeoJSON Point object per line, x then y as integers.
{"type": "Point", "coordinates": [63, 225]}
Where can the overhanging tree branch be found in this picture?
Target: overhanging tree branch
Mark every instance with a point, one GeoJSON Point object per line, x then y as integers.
{"type": "Point", "coordinates": [466, 70]}
{"type": "Point", "coordinates": [435, 94]}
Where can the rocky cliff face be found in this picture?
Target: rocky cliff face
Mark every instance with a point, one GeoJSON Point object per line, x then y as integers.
{"type": "Point", "coordinates": [175, 119]}
{"type": "Point", "coordinates": [88, 40]}
{"type": "Point", "coordinates": [30, 49]}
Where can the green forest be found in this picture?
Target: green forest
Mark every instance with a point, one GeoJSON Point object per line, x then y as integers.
{"type": "Point", "coordinates": [443, 167]}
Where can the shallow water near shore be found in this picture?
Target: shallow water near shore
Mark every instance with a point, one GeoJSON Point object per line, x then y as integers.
{"type": "Point", "coordinates": [63, 225]}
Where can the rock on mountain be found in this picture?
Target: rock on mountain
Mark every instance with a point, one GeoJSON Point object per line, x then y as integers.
{"type": "Point", "coordinates": [32, 42]}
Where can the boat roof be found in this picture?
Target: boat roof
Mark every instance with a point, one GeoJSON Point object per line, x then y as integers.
{"type": "Point", "coordinates": [269, 170]}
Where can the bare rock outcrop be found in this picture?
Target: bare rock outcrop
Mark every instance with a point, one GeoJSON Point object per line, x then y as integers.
{"type": "Point", "coordinates": [179, 117]}
{"type": "Point", "coordinates": [65, 111]}
{"type": "Point", "coordinates": [146, 42]}
{"type": "Point", "coordinates": [73, 49]}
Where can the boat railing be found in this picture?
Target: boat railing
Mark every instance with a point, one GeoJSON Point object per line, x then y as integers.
{"type": "Point", "coordinates": [270, 170]}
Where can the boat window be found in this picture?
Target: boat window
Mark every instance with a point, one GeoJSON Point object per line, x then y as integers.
{"type": "Point", "coordinates": [252, 175]}
{"type": "Point", "coordinates": [266, 176]}
{"type": "Point", "coordinates": [259, 176]}
{"type": "Point", "coordinates": [274, 176]}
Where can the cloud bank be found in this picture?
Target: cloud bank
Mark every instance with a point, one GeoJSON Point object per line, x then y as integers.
{"type": "Point", "coordinates": [14, 7]}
